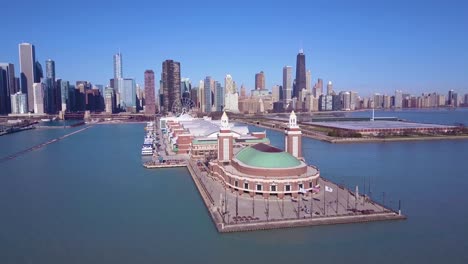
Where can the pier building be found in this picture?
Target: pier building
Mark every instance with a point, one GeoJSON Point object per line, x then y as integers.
{"type": "Point", "coordinates": [264, 169]}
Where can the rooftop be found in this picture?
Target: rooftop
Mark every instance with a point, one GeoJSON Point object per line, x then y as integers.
{"type": "Point", "coordinates": [266, 156]}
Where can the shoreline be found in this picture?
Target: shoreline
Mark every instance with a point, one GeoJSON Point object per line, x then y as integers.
{"type": "Point", "coordinates": [329, 139]}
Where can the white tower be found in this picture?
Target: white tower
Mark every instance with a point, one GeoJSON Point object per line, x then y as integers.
{"type": "Point", "coordinates": [225, 140]}
{"type": "Point", "coordinates": [293, 137]}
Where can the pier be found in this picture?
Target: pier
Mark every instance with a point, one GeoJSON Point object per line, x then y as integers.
{"type": "Point", "coordinates": [38, 146]}
{"type": "Point", "coordinates": [234, 211]}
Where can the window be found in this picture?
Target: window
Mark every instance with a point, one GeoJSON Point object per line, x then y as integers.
{"type": "Point", "coordinates": [301, 185]}
{"type": "Point", "coordinates": [236, 183]}
{"type": "Point", "coordinates": [310, 184]}
{"type": "Point", "coordinates": [273, 188]}
{"type": "Point", "coordinates": [246, 185]}
{"type": "Point", "coordinates": [287, 188]}
{"type": "Point", "coordinates": [259, 187]}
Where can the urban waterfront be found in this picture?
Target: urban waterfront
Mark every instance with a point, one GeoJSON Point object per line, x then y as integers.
{"type": "Point", "coordinates": [87, 199]}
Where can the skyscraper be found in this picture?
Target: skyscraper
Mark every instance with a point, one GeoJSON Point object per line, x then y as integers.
{"type": "Point", "coordinates": [19, 103]}
{"type": "Point", "coordinates": [52, 95]}
{"type": "Point", "coordinates": [260, 81]}
{"type": "Point", "coordinates": [275, 92]}
{"type": "Point", "coordinates": [27, 60]}
{"type": "Point", "coordinates": [150, 101]}
{"type": "Point", "coordinates": [38, 98]}
{"type": "Point", "coordinates": [64, 95]}
{"type": "Point", "coordinates": [219, 98]}
{"type": "Point", "coordinates": [329, 88]}
{"type": "Point", "coordinates": [7, 87]}
{"type": "Point", "coordinates": [128, 95]}
{"type": "Point", "coordinates": [309, 81]}
{"type": "Point", "coordinates": [171, 84]}
{"type": "Point", "coordinates": [287, 85]}
{"type": "Point", "coordinates": [300, 74]}
{"type": "Point", "coordinates": [228, 84]}
{"type": "Point", "coordinates": [398, 99]}
{"type": "Point", "coordinates": [118, 72]}
{"type": "Point", "coordinates": [207, 94]}
{"type": "Point", "coordinates": [185, 87]}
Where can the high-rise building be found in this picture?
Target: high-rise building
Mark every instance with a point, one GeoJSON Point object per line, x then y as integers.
{"type": "Point", "coordinates": [19, 103]}
{"type": "Point", "coordinates": [118, 71]}
{"type": "Point", "coordinates": [329, 88]}
{"type": "Point", "coordinates": [171, 84]}
{"type": "Point", "coordinates": [260, 81]}
{"type": "Point", "coordinates": [287, 85]}
{"type": "Point", "coordinates": [39, 96]}
{"type": "Point", "coordinates": [243, 91]}
{"type": "Point", "coordinates": [52, 94]}
{"type": "Point", "coordinates": [207, 94]}
{"type": "Point", "coordinates": [309, 81]}
{"type": "Point", "coordinates": [229, 84]}
{"type": "Point", "coordinates": [219, 98]}
{"type": "Point", "coordinates": [398, 99]}
{"type": "Point", "coordinates": [450, 98]}
{"type": "Point", "coordinates": [7, 86]}
{"type": "Point", "coordinates": [354, 100]}
{"type": "Point", "coordinates": [109, 100]}
{"type": "Point", "coordinates": [150, 100]}
{"type": "Point", "coordinates": [64, 95]}
{"type": "Point", "coordinates": [275, 93]}
{"type": "Point", "coordinates": [185, 87]}
{"type": "Point", "coordinates": [27, 60]}
{"type": "Point", "coordinates": [201, 96]}
{"type": "Point", "coordinates": [128, 95]}
{"type": "Point", "coordinates": [231, 97]}
{"type": "Point", "coordinates": [300, 74]}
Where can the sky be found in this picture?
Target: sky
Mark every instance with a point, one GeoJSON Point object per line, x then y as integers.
{"type": "Point", "coordinates": [364, 46]}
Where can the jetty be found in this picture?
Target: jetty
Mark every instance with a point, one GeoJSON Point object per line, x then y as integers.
{"type": "Point", "coordinates": [234, 211]}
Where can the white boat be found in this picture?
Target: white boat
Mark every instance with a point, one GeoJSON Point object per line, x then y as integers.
{"type": "Point", "coordinates": [146, 150]}
{"type": "Point", "coordinates": [45, 120]}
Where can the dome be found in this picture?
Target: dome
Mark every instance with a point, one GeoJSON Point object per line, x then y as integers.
{"type": "Point", "coordinates": [265, 156]}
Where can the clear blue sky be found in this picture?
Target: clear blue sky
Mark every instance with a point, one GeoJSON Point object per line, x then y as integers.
{"type": "Point", "coordinates": [366, 46]}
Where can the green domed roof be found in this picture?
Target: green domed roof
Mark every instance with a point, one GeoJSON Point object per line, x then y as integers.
{"type": "Point", "coordinates": [266, 156]}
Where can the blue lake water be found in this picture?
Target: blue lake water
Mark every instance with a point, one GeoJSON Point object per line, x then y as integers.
{"type": "Point", "coordinates": [87, 199]}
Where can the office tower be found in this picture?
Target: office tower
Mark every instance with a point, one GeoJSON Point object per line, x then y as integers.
{"type": "Point", "coordinates": [109, 100]}
{"type": "Point", "coordinates": [171, 83]}
{"type": "Point", "coordinates": [150, 100]}
{"type": "Point", "coordinates": [52, 95]}
{"type": "Point", "coordinates": [275, 93]}
{"type": "Point", "coordinates": [398, 99]}
{"type": "Point", "coordinates": [260, 81]}
{"type": "Point", "coordinates": [300, 74]}
{"type": "Point", "coordinates": [329, 88]}
{"type": "Point", "coordinates": [354, 100]}
{"type": "Point", "coordinates": [346, 101]}
{"type": "Point", "coordinates": [320, 86]}
{"type": "Point", "coordinates": [219, 97]}
{"type": "Point", "coordinates": [201, 96]}
{"type": "Point", "coordinates": [309, 81]}
{"type": "Point", "coordinates": [243, 91]}
{"type": "Point", "coordinates": [229, 84]}
{"type": "Point", "coordinates": [450, 98]}
{"type": "Point", "coordinates": [4, 95]}
{"type": "Point", "coordinates": [128, 95]}
{"type": "Point", "coordinates": [27, 60]}
{"type": "Point", "coordinates": [287, 85]}
{"type": "Point", "coordinates": [64, 87]}
{"type": "Point", "coordinates": [7, 70]}
{"type": "Point", "coordinates": [231, 97]}
{"type": "Point", "coordinates": [38, 100]}
{"type": "Point", "coordinates": [19, 103]}
{"type": "Point", "coordinates": [118, 71]}
{"type": "Point", "coordinates": [207, 94]}
{"type": "Point", "coordinates": [185, 87]}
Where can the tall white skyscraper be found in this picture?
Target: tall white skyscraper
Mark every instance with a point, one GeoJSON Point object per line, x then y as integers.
{"type": "Point", "coordinates": [231, 97]}
{"type": "Point", "coordinates": [118, 72]}
{"type": "Point", "coordinates": [39, 92]}
{"type": "Point", "coordinates": [275, 93]}
{"type": "Point", "coordinates": [287, 85]}
{"type": "Point", "coordinates": [309, 81]}
{"type": "Point", "coordinates": [398, 99]}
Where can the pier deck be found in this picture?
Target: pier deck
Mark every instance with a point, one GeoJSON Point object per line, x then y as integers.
{"type": "Point", "coordinates": [232, 212]}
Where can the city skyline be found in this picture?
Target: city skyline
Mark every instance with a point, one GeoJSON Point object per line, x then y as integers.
{"type": "Point", "coordinates": [365, 60]}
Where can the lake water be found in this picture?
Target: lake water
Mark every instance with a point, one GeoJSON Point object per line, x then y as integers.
{"type": "Point", "coordinates": [87, 199]}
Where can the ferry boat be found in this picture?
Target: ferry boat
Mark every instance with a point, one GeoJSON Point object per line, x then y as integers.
{"type": "Point", "coordinates": [146, 150]}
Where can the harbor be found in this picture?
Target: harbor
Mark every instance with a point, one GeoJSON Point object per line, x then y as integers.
{"type": "Point", "coordinates": [235, 210]}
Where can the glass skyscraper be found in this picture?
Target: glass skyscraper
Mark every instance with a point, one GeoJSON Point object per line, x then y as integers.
{"type": "Point", "coordinates": [27, 60]}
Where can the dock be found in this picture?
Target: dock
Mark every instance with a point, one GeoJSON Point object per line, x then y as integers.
{"type": "Point", "coordinates": [231, 211]}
